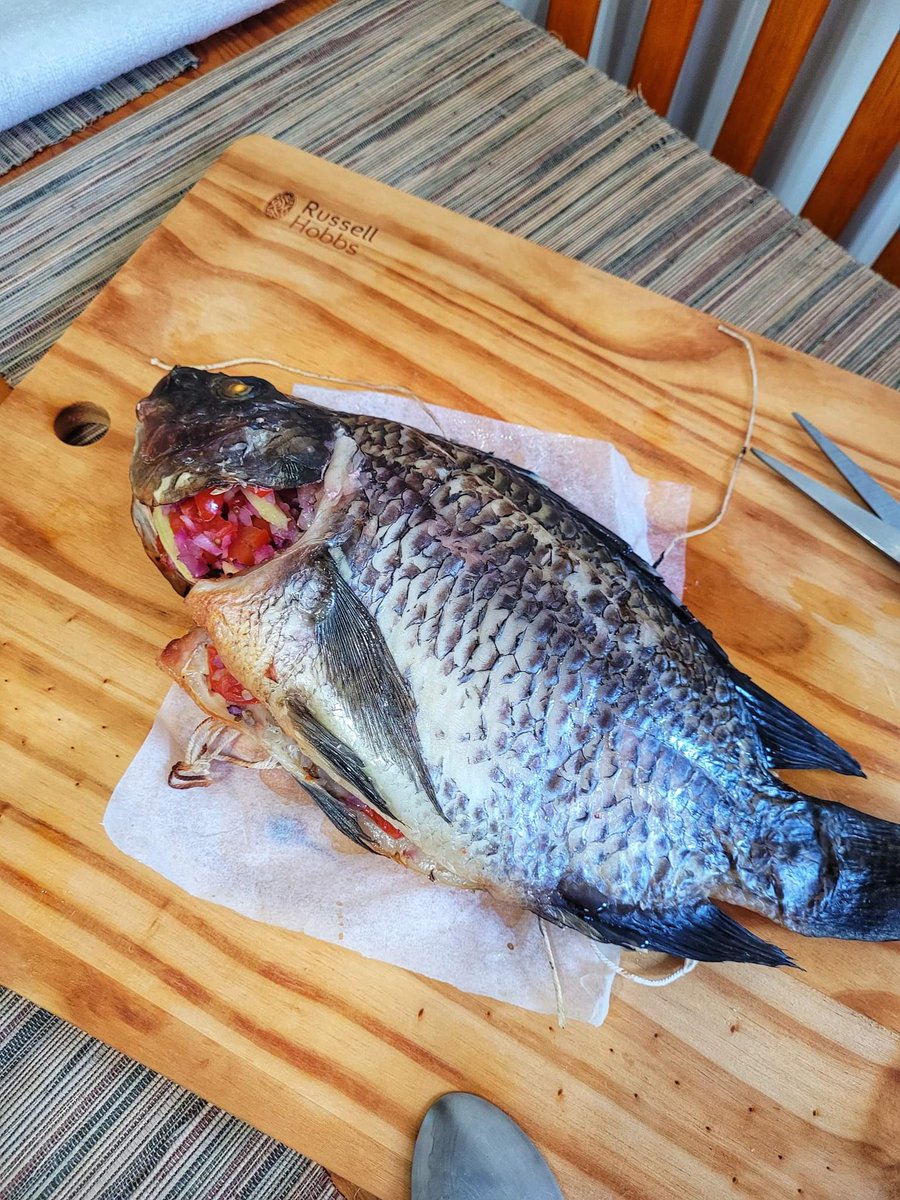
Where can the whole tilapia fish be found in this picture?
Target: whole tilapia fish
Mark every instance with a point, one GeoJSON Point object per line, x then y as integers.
{"type": "Point", "coordinates": [471, 676]}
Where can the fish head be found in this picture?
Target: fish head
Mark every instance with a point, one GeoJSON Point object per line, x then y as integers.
{"type": "Point", "coordinates": [201, 434]}
{"type": "Point", "coordinates": [198, 430]}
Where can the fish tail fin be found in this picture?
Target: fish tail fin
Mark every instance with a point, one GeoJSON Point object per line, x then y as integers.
{"type": "Point", "coordinates": [837, 870]}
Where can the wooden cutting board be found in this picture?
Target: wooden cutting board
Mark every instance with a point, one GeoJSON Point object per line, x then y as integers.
{"type": "Point", "coordinates": [737, 1080]}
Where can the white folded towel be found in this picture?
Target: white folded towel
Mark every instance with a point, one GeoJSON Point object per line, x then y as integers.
{"type": "Point", "coordinates": [51, 50]}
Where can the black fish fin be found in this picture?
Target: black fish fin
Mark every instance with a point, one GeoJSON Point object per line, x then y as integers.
{"type": "Point", "coordinates": [342, 761]}
{"type": "Point", "coordinates": [360, 666]}
{"type": "Point", "coordinates": [702, 932]}
{"type": "Point", "coordinates": [789, 740]}
{"type": "Point", "coordinates": [339, 815]}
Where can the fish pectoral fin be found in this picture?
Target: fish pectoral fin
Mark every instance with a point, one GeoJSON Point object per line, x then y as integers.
{"type": "Point", "coordinates": [790, 741]}
{"type": "Point", "coordinates": [360, 667]}
{"type": "Point", "coordinates": [338, 759]}
{"type": "Point", "coordinates": [702, 931]}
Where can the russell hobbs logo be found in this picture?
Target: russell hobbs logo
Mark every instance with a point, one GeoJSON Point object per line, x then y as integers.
{"type": "Point", "coordinates": [280, 205]}
{"type": "Point", "coordinates": [320, 224]}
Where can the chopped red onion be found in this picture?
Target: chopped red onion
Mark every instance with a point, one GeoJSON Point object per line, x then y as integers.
{"type": "Point", "coordinates": [196, 546]}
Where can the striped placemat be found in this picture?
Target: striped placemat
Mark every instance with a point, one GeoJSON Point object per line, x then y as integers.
{"type": "Point", "coordinates": [79, 1121]}
{"type": "Point", "coordinates": [469, 105]}
{"type": "Point", "coordinates": [21, 142]}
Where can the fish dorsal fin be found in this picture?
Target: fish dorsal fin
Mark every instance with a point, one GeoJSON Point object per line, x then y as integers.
{"type": "Point", "coordinates": [788, 740]}
{"type": "Point", "coordinates": [360, 669]}
{"type": "Point", "coordinates": [701, 931]}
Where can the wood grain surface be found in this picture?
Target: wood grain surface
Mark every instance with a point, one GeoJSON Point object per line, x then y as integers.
{"type": "Point", "coordinates": [738, 1080]}
{"type": "Point", "coordinates": [661, 52]}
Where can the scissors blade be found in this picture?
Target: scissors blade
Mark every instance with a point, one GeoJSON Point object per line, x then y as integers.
{"type": "Point", "coordinates": [883, 536]}
{"type": "Point", "coordinates": [880, 501]}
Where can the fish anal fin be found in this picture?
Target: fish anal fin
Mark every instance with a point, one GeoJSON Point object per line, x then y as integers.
{"type": "Point", "coordinates": [790, 741]}
{"type": "Point", "coordinates": [700, 931]}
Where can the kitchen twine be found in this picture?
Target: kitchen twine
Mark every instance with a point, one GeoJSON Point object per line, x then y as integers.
{"type": "Point", "coordinates": [688, 964]}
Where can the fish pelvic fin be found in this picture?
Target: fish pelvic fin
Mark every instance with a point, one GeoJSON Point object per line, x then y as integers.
{"type": "Point", "coordinates": [790, 741]}
{"type": "Point", "coordinates": [338, 814]}
{"type": "Point", "coordinates": [342, 761]}
{"type": "Point", "coordinates": [837, 870]}
{"type": "Point", "coordinates": [699, 931]}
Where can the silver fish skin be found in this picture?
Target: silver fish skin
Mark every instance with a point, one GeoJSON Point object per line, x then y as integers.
{"type": "Point", "coordinates": [517, 693]}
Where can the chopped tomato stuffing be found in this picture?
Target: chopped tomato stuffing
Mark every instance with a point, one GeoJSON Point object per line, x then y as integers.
{"type": "Point", "coordinates": [247, 541]}
{"type": "Point", "coordinates": [223, 683]}
{"type": "Point", "coordinates": [361, 806]}
{"type": "Point", "coordinates": [386, 826]}
{"type": "Point", "coordinates": [208, 504]}
{"type": "Point", "coordinates": [221, 532]}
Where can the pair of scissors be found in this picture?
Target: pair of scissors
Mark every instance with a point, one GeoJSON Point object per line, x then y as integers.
{"type": "Point", "coordinates": [881, 526]}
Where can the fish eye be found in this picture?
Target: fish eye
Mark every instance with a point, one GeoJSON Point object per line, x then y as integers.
{"type": "Point", "coordinates": [236, 387]}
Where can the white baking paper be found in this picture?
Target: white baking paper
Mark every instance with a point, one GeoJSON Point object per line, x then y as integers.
{"type": "Point", "coordinates": [254, 842]}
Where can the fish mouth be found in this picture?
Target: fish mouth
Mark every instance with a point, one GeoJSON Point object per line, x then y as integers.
{"type": "Point", "coordinates": [224, 472]}
{"type": "Point", "coordinates": [224, 530]}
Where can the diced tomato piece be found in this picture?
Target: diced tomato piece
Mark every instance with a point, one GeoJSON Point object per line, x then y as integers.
{"type": "Point", "coordinates": [222, 682]}
{"type": "Point", "coordinates": [247, 541]}
{"type": "Point", "coordinates": [209, 504]}
{"type": "Point", "coordinates": [391, 830]}
{"type": "Point", "coordinates": [372, 814]}
{"type": "Point", "coordinates": [217, 529]}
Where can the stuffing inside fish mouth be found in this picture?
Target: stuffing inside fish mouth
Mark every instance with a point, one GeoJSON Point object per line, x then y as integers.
{"type": "Point", "coordinates": [472, 677]}
{"type": "Point", "coordinates": [204, 517]}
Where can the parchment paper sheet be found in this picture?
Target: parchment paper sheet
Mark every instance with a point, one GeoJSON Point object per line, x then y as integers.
{"type": "Point", "coordinates": [254, 842]}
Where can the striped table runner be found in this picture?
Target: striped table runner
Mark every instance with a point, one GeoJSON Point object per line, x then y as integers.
{"type": "Point", "coordinates": [79, 1121]}
{"type": "Point", "coordinates": [469, 105]}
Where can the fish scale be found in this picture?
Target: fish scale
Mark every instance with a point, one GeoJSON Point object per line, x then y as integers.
{"type": "Point", "coordinates": [508, 683]}
{"type": "Point", "coordinates": [573, 708]}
